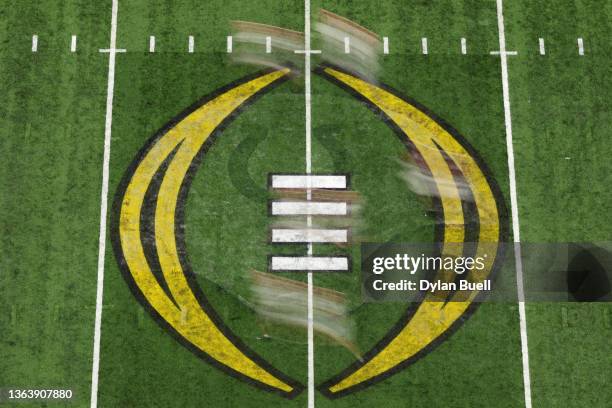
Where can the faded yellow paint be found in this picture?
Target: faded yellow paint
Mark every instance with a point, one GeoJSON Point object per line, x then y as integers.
{"type": "Point", "coordinates": [188, 319]}
{"type": "Point", "coordinates": [432, 317]}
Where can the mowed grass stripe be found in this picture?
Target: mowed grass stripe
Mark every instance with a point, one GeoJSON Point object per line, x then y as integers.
{"type": "Point", "coordinates": [167, 89]}
{"type": "Point", "coordinates": [465, 92]}
{"type": "Point", "coordinates": [155, 90]}
{"type": "Point", "coordinates": [150, 89]}
{"type": "Point", "coordinates": [562, 144]}
{"type": "Point", "coordinates": [51, 144]}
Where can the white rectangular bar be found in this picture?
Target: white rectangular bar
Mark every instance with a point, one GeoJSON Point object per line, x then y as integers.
{"type": "Point", "coordinates": [268, 45]}
{"type": "Point", "coordinates": [505, 53]}
{"type": "Point", "coordinates": [229, 44]}
{"type": "Point", "coordinates": [307, 51]}
{"type": "Point", "coordinates": [424, 45]}
{"type": "Point", "coordinates": [463, 46]}
{"type": "Point", "coordinates": [347, 45]}
{"type": "Point", "coordinates": [152, 43]}
{"type": "Point", "coordinates": [191, 44]}
{"type": "Point", "coordinates": [385, 45]}
{"type": "Point", "coordinates": [34, 43]}
{"type": "Point", "coordinates": [309, 263]}
{"type": "Point", "coordinates": [308, 208]}
{"type": "Point", "coordinates": [542, 47]}
{"type": "Point", "coordinates": [580, 47]}
{"type": "Point", "coordinates": [73, 43]}
{"type": "Point", "coordinates": [308, 181]}
{"type": "Point", "coordinates": [309, 235]}
{"type": "Point", "coordinates": [108, 50]}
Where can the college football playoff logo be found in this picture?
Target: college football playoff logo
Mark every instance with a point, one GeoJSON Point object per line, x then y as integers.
{"type": "Point", "coordinates": [148, 236]}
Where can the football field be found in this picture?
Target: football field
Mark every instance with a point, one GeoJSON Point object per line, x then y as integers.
{"type": "Point", "coordinates": [95, 92]}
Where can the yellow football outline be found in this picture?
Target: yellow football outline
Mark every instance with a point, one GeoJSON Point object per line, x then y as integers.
{"type": "Point", "coordinates": [185, 315]}
{"type": "Point", "coordinates": [196, 326]}
{"type": "Point", "coordinates": [432, 318]}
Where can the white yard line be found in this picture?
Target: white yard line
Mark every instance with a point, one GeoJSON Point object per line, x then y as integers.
{"type": "Point", "coordinates": [331, 181]}
{"type": "Point", "coordinates": [385, 45]}
{"type": "Point", "coordinates": [229, 44]}
{"type": "Point", "coordinates": [514, 203]}
{"type": "Point", "coordinates": [504, 52]}
{"type": "Point", "coordinates": [152, 43]}
{"type": "Point", "coordinates": [308, 105]}
{"type": "Point", "coordinates": [309, 263]}
{"type": "Point", "coordinates": [118, 50]}
{"type": "Point", "coordinates": [191, 45]}
{"type": "Point", "coordinates": [73, 43]}
{"type": "Point", "coordinates": [268, 45]}
{"type": "Point", "coordinates": [580, 47]}
{"type": "Point", "coordinates": [307, 51]}
{"type": "Point", "coordinates": [542, 46]}
{"type": "Point", "coordinates": [424, 45]}
{"type": "Point", "coordinates": [34, 43]}
{"type": "Point", "coordinates": [463, 46]}
{"type": "Point", "coordinates": [309, 208]}
{"type": "Point", "coordinates": [95, 369]}
{"type": "Point", "coordinates": [306, 235]}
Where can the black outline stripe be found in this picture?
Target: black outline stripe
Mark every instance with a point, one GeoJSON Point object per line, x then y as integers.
{"type": "Point", "coordinates": [147, 224]}
{"type": "Point", "coordinates": [471, 219]}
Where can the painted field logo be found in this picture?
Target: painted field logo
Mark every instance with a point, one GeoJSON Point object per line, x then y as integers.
{"type": "Point", "coordinates": [148, 236]}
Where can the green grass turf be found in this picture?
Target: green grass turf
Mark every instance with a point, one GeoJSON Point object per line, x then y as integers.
{"type": "Point", "coordinates": [560, 109]}
{"type": "Point", "coordinates": [55, 104]}
{"type": "Point", "coordinates": [52, 114]}
{"type": "Point", "coordinates": [225, 240]}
